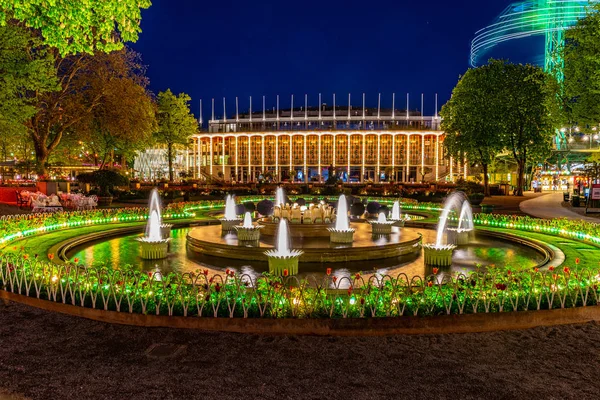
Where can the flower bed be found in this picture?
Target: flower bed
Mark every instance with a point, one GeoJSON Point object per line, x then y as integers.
{"type": "Point", "coordinates": [198, 294]}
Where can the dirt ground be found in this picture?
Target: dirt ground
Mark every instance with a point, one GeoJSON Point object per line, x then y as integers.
{"type": "Point", "coordinates": [51, 356]}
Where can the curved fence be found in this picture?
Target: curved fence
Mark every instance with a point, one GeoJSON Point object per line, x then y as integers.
{"type": "Point", "coordinates": [230, 295]}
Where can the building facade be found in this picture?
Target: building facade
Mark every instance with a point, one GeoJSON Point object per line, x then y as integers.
{"type": "Point", "coordinates": [309, 144]}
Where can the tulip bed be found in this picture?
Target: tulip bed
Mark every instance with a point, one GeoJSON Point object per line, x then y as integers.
{"type": "Point", "coordinates": [230, 295]}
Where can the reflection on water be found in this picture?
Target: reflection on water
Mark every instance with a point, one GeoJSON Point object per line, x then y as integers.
{"type": "Point", "coordinates": [120, 251]}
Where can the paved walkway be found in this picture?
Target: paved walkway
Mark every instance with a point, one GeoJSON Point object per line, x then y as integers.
{"type": "Point", "coordinates": [550, 206]}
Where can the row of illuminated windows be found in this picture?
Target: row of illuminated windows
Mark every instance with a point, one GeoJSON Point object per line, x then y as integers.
{"type": "Point", "coordinates": [284, 150]}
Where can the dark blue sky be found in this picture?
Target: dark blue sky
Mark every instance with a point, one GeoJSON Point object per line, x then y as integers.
{"type": "Point", "coordinates": [241, 48]}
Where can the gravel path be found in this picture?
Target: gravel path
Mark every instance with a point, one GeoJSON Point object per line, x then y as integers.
{"type": "Point", "coordinates": [49, 356]}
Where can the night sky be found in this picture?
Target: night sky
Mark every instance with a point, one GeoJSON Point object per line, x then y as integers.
{"type": "Point", "coordinates": [241, 48]}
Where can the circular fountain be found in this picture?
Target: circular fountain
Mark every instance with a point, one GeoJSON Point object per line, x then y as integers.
{"type": "Point", "coordinates": [342, 233]}
{"type": "Point", "coordinates": [248, 232]}
{"type": "Point", "coordinates": [282, 258]}
{"type": "Point", "coordinates": [154, 245]}
{"type": "Point", "coordinates": [381, 226]}
{"type": "Point", "coordinates": [230, 220]}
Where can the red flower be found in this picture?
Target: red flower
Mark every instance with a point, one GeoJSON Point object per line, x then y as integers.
{"type": "Point", "coordinates": [350, 290]}
{"type": "Point", "coordinates": [509, 272]}
{"type": "Point", "coordinates": [550, 268]}
{"type": "Point", "coordinates": [285, 272]}
{"type": "Point", "coordinates": [205, 272]}
{"type": "Point", "coordinates": [430, 284]}
{"type": "Point", "coordinates": [334, 279]}
{"type": "Point", "coordinates": [357, 276]}
{"type": "Point", "coordinates": [435, 271]}
{"type": "Point", "coordinates": [577, 260]}
{"type": "Point", "coordinates": [500, 286]}
{"type": "Point", "coordinates": [227, 271]}
{"type": "Point", "coordinates": [76, 260]}
{"type": "Point", "coordinates": [536, 269]}
{"type": "Point", "coordinates": [567, 270]}
{"type": "Point", "coordinates": [328, 271]}
{"type": "Point", "coordinates": [554, 276]}
{"type": "Point", "coordinates": [25, 256]}
{"type": "Point", "coordinates": [149, 274]}
{"type": "Point", "coordinates": [51, 256]}
{"type": "Point", "coordinates": [362, 301]}
{"type": "Point", "coordinates": [218, 288]}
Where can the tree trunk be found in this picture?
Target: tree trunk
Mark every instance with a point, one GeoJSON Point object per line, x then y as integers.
{"type": "Point", "coordinates": [170, 158]}
{"type": "Point", "coordinates": [41, 157]}
{"type": "Point", "coordinates": [520, 178]}
{"type": "Point", "coordinates": [486, 181]}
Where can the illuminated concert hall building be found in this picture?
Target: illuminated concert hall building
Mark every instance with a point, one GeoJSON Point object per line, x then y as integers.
{"type": "Point", "coordinates": [303, 144]}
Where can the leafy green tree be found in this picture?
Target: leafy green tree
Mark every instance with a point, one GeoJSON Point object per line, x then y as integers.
{"type": "Point", "coordinates": [79, 26]}
{"type": "Point", "coordinates": [26, 67]}
{"type": "Point", "coordinates": [125, 119]}
{"type": "Point", "coordinates": [470, 119]}
{"type": "Point", "coordinates": [529, 113]}
{"type": "Point", "coordinates": [581, 55]}
{"type": "Point", "coordinates": [175, 123]}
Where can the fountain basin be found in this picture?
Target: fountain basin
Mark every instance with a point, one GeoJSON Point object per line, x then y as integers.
{"type": "Point", "coordinates": [279, 263]}
{"type": "Point", "coordinates": [296, 230]}
{"type": "Point", "coordinates": [165, 230]}
{"type": "Point", "coordinates": [460, 237]}
{"type": "Point", "coordinates": [381, 228]}
{"type": "Point", "coordinates": [207, 240]}
{"type": "Point", "coordinates": [248, 234]}
{"type": "Point", "coordinates": [439, 256]}
{"type": "Point", "coordinates": [228, 225]}
{"type": "Point", "coordinates": [154, 250]}
{"type": "Point", "coordinates": [399, 223]}
{"type": "Point", "coordinates": [341, 236]}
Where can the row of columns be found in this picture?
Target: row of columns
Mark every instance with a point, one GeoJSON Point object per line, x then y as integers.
{"type": "Point", "coordinates": [211, 169]}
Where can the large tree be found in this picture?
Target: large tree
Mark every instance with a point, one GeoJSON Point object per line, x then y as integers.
{"type": "Point", "coordinates": [470, 117]}
{"type": "Point", "coordinates": [528, 113]}
{"type": "Point", "coordinates": [125, 119]}
{"type": "Point", "coordinates": [581, 55]}
{"type": "Point", "coordinates": [175, 123]}
{"type": "Point", "coordinates": [78, 26]}
{"type": "Point", "coordinates": [89, 93]}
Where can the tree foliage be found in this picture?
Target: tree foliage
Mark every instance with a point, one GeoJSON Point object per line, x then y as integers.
{"type": "Point", "coordinates": [26, 68]}
{"type": "Point", "coordinates": [581, 55]}
{"type": "Point", "coordinates": [175, 123]}
{"type": "Point", "coordinates": [469, 120]}
{"type": "Point", "coordinates": [97, 95]}
{"type": "Point", "coordinates": [503, 107]}
{"type": "Point", "coordinates": [82, 26]}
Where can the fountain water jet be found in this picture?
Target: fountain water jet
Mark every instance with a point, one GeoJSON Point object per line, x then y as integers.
{"type": "Point", "coordinates": [342, 233]}
{"type": "Point", "coordinates": [397, 215]}
{"type": "Point", "coordinates": [440, 253]}
{"type": "Point", "coordinates": [282, 257]}
{"type": "Point", "coordinates": [155, 243]}
{"type": "Point", "coordinates": [279, 196]}
{"type": "Point", "coordinates": [462, 234]}
{"type": "Point", "coordinates": [231, 220]}
{"type": "Point", "coordinates": [248, 232]}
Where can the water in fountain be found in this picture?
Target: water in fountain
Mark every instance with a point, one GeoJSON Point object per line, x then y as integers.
{"type": "Point", "coordinates": [154, 209]}
{"type": "Point", "coordinates": [341, 222]}
{"type": "Point", "coordinates": [396, 211]}
{"type": "Point", "coordinates": [153, 227]}
{"type": "Point", "coordinates": [381, 218]}
{"type": "Point", "coordinates": [453, 202]}
{"type": "Point", "coordinates": [465, 221]}
{"type": "Point", "coordinates": [230, 214]}
{"type": "Point", "coordinates": [282, 244]}
{"type": "Point", "coordinates": [279, 197]}
{"type": "Point", "coordinates": [247, 220]}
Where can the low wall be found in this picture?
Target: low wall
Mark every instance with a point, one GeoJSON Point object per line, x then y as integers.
{"type": "Point", "coordinates": [444, 324]}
